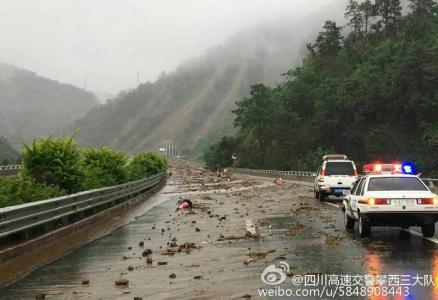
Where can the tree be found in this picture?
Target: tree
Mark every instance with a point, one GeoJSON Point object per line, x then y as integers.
{"type": "Point", "coordinates": [253, 116]}
{"type": "Point", "coordinates": [389, 12]}
{"type": "Point", "coordinates": [220, 155]}
{"type": "Point", "coordinates": [355, 16]}
{"type": "Point", "coordinates": [422, 7]}
{"type": "Point", "coordinates": [328, 41]}
{"type": "Point", "coordinates": [359, 16]}
{"type": "Point", "coordinates": [367, 10]}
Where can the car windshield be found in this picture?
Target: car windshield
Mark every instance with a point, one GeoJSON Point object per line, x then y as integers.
{"type": "Point", "coordinates": [396, 184]}
{"type": "Point", "coordinates": [339, 168]}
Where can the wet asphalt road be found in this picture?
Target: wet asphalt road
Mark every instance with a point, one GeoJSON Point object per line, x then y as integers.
{"type": "Point", "coordinates": [222, 263]}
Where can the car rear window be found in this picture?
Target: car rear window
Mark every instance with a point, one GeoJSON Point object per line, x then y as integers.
{"type": "Point", "coordinates": [396, 184]}
{"type": "Point", "coordinates": [339, 168]}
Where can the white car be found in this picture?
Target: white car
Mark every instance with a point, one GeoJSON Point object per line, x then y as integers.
{"type": "Point", "coordinates": [390, 199]}
{"type": "Point", "coordinates": [336, 174]}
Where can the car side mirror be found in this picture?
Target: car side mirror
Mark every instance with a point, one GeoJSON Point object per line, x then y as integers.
{"type": "Point", "coordinates": [346, 192]}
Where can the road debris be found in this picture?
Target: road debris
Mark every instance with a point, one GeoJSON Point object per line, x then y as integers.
{"type": "Point", "coordinates": [278, 181]}
{"type": "Point", "coordinates": [260, 254]}
{"type": "Point", "coordinates": [185, 204]}
{"type": "Point", "coordinates": [121, 281]}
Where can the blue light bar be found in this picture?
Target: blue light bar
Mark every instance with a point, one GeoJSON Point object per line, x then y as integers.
{"type": "Point", "coordinates": [408, 168]}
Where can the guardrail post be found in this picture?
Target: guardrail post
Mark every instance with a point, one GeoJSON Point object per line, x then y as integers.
{"type": "Point", "coordinates": [24, 235]}
{"type": "Point", "coordinates": [64, 221]}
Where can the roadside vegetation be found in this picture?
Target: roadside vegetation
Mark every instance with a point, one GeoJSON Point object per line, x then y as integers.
{"type": "Point", "coordinates": [57, 166]}
{"type": "Point", "coordinates": [371, 93]}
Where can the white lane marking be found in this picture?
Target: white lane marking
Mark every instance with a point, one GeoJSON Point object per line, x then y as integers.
{"type": "Point", "coordinates": [250, 227]}
{"type": "Point", "coordinates": [332, 204]}
{"type": "Point", "coordinates": [433, 240]}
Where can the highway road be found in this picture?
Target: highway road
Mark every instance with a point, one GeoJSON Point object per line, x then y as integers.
{"type": "Point", "coordinates": [206, 254]}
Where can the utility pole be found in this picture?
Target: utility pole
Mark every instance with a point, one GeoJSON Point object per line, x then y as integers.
{"type": "Point", "coordinates": [138, 77]}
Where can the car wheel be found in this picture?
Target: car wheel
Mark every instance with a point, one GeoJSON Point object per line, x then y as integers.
{"type": "Point", "coordinates": [363, 227]}
{"type": "Point", "coordinates": [428, 230]}
{"type": "Point", "coordinates": [321, 197]}
{"type": "Point", "coordinates": [348, 221]}
{"type": "Point", "coordinates": [316, 194]}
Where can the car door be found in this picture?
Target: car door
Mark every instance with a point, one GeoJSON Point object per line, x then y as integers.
{"type": "Point", "coordinates": [318, 174]}
{"type": "Point", "coordinates": [350, 198]}
{"type": "Point", "coordinates": [356, 197]}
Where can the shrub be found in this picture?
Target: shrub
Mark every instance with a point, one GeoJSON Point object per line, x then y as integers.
{"type": "Point", "coordinates": [146, 164]}
{"type": "Point", "coordinates": [54, 162]}
{"type": "Point", "coordinates": [15, 191]}
{"type": "Point", "coordinates": [103, 167]}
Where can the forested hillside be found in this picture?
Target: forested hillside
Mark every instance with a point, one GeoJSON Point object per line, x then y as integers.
{"type": "Point", "coordinates": [31, 105]}
{"type": "Point", "coordinates": [193, 104]}
{"type": "Point", "coordinates": [8, 155]}
{"type": "Point", "coordinates": [371, 93]}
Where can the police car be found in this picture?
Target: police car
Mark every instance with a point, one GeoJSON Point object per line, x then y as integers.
{"type": "Point", "coordinates": [390, 195]}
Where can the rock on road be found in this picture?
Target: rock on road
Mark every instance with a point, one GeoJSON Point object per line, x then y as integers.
{"type": "Point", "coordinates": [206, 253]}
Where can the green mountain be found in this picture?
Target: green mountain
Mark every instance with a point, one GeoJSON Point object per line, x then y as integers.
{"type": "Point", "coordinates": [31, 105]}
{"type": "Point", "coordinates": [7, 153]}
{"type": "Point", "coordinates": [193, 104]}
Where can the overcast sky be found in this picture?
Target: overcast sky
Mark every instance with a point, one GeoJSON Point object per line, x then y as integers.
{"type": "Point", "coordinates": [107, 41]}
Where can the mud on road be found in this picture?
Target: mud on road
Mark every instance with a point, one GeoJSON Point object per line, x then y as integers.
{"type": "Point", "coordinates": [207, 252]}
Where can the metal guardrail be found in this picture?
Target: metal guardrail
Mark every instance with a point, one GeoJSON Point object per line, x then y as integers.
{"type": "Point", "coordinates": [11, 167]}
{"type": "Point", "coordinates": [20, 218]}
{"type": "Point", "coordinates": [430, 182]}
{"type": "Point", "coordinates": [10, 170]}
{"type": "Point", "coordinates": [275, 172]}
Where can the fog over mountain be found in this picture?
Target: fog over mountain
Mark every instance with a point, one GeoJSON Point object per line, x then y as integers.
{"type": "Point", "coordinates": [192, 59]}
{"type": "Point", "coordinates": [101, 44]}
{"type": "Point", "coordinates": [192, 105]}
{"type": "Point", "coordinates": [32, 106]}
